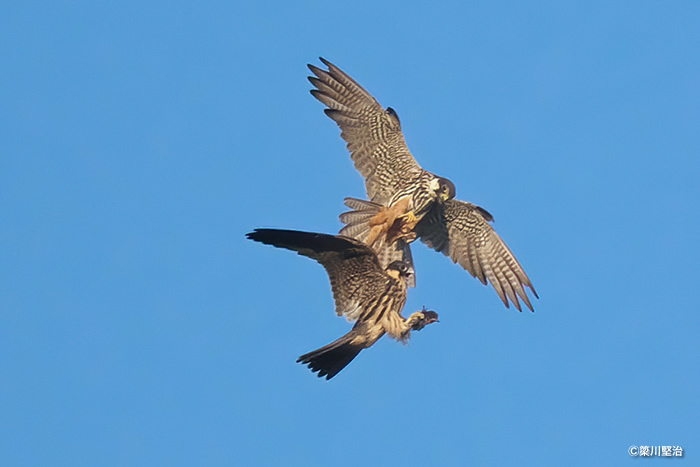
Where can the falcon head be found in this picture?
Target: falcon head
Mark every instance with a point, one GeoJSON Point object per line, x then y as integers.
{"type": "Point", "coordinates": [399, 269]}
{"type": "Point", "coordinates": [444, 189]}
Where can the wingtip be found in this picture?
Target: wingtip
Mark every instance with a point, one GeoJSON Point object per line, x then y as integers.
{"type": "Point", "coordinates": [529, 306]}
{"type": "Point", "coordinates": [504, 299]}
{"type": "Point", "coordinates": [315, 70]}
{"type": "Point", "coordinates": [261, 235]}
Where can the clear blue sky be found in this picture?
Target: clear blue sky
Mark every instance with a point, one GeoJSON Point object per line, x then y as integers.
{"type": "Point", "coordinates": [140, 141]}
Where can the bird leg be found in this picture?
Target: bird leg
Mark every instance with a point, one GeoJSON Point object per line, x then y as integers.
{"type": "Point", "coordinates": [403, 228]}
{"type": "Point", "coordinates": [378, 226]}
{"type": "Point", "coordinates": [409, 218]}
{"type": "Point", "coordinates": [384, 224]}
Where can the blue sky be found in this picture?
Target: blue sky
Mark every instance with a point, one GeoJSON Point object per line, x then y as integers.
{"type": "Point", "coordinates": [141, 141]}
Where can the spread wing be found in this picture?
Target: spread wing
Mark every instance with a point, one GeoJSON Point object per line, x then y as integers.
{"type": "Point", "coordinates": [461, 231]}
{"type": "Point", "coordinates": [352, 267]}
{"type": "Point", "coordinates": [373, 135]}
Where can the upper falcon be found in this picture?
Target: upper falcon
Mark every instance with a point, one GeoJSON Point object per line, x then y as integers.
{"type": "Point", "coordinates": [406, 200]}
{"type": "Point", "coordinates": [377, 146]}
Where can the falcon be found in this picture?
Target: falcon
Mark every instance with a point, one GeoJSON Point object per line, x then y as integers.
{"type": "Point", "coordinates": [365, 293]}
{"type": "Point", "coordinates": [393, 178]}
{"type": "Point", "coordinates": [406, 201]}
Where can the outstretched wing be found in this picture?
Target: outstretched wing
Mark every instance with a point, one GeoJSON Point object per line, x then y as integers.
{"type": "Point", "coordinates": [461, 231]}
{"type": "Point", "coordinates": [373, 135]}
{"type": "Point", "coordinates": [352, 267]}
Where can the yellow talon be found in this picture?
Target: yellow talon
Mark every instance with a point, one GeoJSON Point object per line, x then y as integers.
{"type": "Point", "coordinates": [410, 217]}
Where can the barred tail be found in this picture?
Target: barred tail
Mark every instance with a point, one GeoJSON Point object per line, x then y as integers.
{"type": "Point", "coordinates": [357, 221]}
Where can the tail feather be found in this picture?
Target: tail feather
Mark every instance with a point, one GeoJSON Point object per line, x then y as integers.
{"type": "Point", "coordinates": [357, 204]}
{"type": "Point", "coordinates": [357, 217]}
{"type": "Point", "coordinates": [357, 221]}
{"type": "Point", "coordinates": [358, 231]}
{"type": "Point", "coordinates": [331, 358]}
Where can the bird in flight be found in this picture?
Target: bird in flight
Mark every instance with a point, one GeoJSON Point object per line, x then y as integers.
{"type": "Point", "coordinates": [407, 202]}
{"type": "Point", "coordinates": [365, 293]}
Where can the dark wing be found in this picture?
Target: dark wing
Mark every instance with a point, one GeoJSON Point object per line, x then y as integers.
{"type": "Point", "coordinates": [352, 267]}
{"type": "Point", "coordinates": [373, 135]}
{"type": "Point", "coordinates": [461, 231]}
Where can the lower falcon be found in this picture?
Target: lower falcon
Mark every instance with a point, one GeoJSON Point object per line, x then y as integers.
{"type": "Point", "coordinates": [365, 293]}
